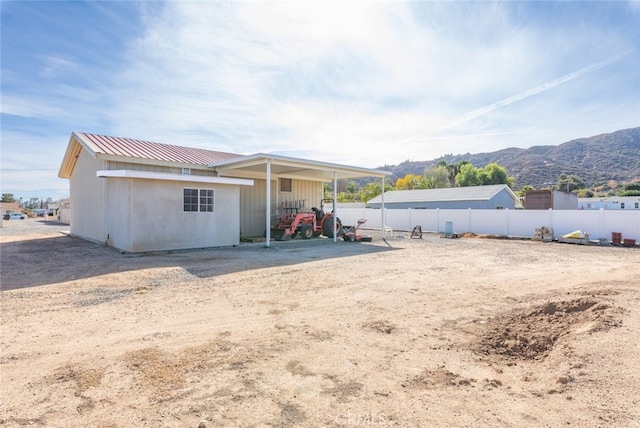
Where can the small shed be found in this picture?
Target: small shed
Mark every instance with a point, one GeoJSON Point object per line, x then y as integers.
{"type": "Point", "coordinates": [498, 196]}
{"type": "Point", "coordinates": [546, 199]}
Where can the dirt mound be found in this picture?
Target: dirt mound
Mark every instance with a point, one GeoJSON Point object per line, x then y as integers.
{"type": "Point", "coordinates": [532, 333]}
{"type": "Point", "coordinates": [380, 326]}
{"type": "Point", "coordinates": [438, 378]}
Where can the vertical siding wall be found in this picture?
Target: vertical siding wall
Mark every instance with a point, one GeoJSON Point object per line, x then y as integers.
{"type": "Point", "coordinates": [65, 215]}
{"type": "Point", "coordinates": [87, 216]}
{"type": "Point", "coordinates": [253, 203]}
{"type": "Point", "coordinates": [565, 201]}
{"type": "Point", "coordinates": [308, 191]}
{"type": "Point", "coordinates": [517, 223]}
{"type": "Point", "coordinates": [120, 213]}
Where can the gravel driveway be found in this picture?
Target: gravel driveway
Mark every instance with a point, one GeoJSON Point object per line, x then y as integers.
{"type": "Point", "coordinates": [33, 225]}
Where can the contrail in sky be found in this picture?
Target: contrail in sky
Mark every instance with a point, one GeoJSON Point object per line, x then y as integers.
{"type": "Point", "coordinates": [530, 92]}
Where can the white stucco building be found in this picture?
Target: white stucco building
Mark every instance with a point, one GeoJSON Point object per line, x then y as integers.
{"type": "Point", "coordinates": [610, 203]}
{"type": "Point", "coordinates": [140, 196]}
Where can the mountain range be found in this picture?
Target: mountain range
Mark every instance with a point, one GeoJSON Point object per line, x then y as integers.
{"type": "Point", "coordinates": [595, 160]}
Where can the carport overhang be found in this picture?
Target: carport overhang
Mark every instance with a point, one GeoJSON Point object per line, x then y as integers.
{"type": "Point", "coordinates": [268, 167]}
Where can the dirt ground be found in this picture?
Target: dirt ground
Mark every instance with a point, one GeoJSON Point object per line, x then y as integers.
{"type": "Point", "coordinates": [427, 332]}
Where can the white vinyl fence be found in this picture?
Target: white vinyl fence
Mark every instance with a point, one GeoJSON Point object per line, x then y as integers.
{"type": "Point", "coordinates": [515, 223]}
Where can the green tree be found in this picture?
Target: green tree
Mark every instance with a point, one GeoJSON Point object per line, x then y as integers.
{"type": "Point", "coordinates": [327, 191]}
{"type": "Point", "coordinates": [468, 176]}
{"type": "Point", "coordinates": [569, 183]}
{"type": "Point", "coordinates": [8, 198]}
{"type": "Point", "coordinates": [350, 194]}
{"type": "Point", "coordinates": [344, 197]}
{"type": "Point", "coordinates": [453, 169]}
{"type": "Point", "coordinates": [630, 189]}
{"type": "Point", "coordinates": [585, 193]}
{"type": "Point", "coordinates": [436, 178]}
{"type": "Point", "coordinates": [372, 190]}
{"type": "Point", "coordinates": [33, 203]}
{"type": "Point", "coordinates": [493, 173]}
{"type": "Point", "coordinates": [352, 187]}
{"type": "Point", "coordinates": [523, 190]}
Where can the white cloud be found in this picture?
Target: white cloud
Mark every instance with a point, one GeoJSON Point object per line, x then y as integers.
{"type": "Point", "coordinates": [530, 92]}
{"type": "Point", "coordinates": [31, 107]}
{"type": "Point", "coordinates": [352, 82]}
{"type": "Point", "coordinates": [33, 170]}
{"type": "Point", "coordinates": [56, 65]}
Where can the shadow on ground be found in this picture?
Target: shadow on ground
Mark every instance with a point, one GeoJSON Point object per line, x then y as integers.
{"type": "Point", "coordinates": [55, 259]}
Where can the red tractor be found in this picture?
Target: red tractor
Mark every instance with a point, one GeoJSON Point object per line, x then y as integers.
{"type": "Point", "coordinates": [308, 224]}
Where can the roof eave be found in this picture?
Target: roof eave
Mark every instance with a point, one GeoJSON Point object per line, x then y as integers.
{"type": "Point", "coordinates": [74, 147]}
{"type": "Point", "coordinates": [263, 158]}
{"type": "Point", "coordinates": [152, 175]}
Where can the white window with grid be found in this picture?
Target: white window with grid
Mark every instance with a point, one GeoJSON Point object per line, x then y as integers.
{"type": "Point", "coordinates": [198, 200]}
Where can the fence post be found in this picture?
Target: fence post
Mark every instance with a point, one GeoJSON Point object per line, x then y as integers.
{"type": "Point", "coordinates": [507, 211]}
{"type": "Point", "coordinates": [601, 223]}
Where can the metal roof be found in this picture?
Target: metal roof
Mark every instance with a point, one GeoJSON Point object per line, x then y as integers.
{"type": "Point", "coordinates": [130, 148]}
{"type": "Point", "coordinates": [230, 164]}
{"type": "Point", "coordinates": [472, 193]}
{"type": "Point", "coordinates": [148, 150]}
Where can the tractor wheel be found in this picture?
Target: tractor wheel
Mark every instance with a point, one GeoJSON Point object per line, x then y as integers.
{"type": "Point", "coordinates": [306, 231]}
{"type": "Point", "coordinates": [327, 227]}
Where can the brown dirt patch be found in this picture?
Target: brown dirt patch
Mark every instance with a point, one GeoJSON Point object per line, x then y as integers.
{"type": "Point", "coordinates": [83, 377]}
{"type": "Point", "coordinates": [532, 333]}
{"type": "Point", "coordinates": [380, 326]}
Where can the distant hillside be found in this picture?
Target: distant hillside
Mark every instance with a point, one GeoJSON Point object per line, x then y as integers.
{"type": "Point", "coordinates": [594, 160]}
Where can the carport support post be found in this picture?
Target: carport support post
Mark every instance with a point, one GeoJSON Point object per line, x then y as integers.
{"type": "Point", "coordinates": [384, 229]}
{"type": "Point", "coordinates": [335, 206]}
{"type": "Point", "coordinates": [268, 209]}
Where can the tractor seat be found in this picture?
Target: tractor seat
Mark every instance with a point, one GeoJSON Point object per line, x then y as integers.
{"type": "Point", "coordinates": [318, 213]}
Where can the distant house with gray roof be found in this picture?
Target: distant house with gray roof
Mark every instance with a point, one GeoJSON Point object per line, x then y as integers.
{"type": "Point", "coordinates": [498, 196]}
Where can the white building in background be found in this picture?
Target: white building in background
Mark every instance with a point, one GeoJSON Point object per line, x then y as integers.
{"type": "Point", "coordinates": [498, 196]}
{"type": "Point", "coordinates": [610, 203]}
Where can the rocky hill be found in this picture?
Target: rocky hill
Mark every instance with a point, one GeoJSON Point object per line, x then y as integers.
{"type": "Point", "coordinates": [595, 160]}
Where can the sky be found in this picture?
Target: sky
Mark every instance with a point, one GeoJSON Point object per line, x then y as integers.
{"type": "Point", "coordinates": [362, 83]}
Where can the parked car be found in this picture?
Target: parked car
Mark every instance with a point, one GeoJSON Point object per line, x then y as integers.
{"type": "Point", "coordinates": [14, 216]}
